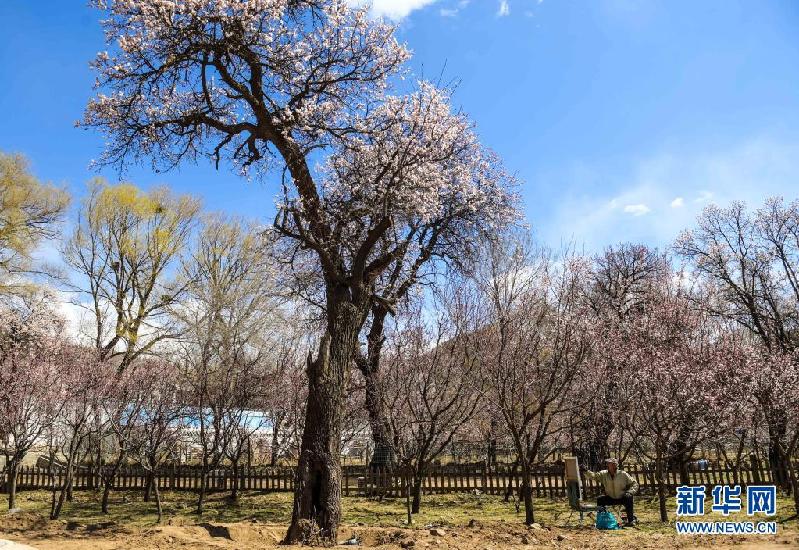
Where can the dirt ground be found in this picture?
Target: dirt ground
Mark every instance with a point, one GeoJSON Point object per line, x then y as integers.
{"type": "Point", "coordinates": [31, 529]}
{"type": "Point", "coordinates": [259, 521]}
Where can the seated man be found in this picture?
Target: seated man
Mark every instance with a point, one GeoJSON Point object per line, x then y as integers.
{"type": "Point", "coordinates": [619, 487]}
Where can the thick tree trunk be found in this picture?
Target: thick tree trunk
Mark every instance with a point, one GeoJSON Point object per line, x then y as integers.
{"type": "Point", "coordinates": [13, 468]}
{"type": "Point", "coordinates": [201, 496]}
{"type": "Point", "coordinates": [660, 474]}
{"type": "Point", "coordinates": [158, 501]}
{"type": "Point", "coordinates": [317, 496]}
{"type": "Point", "coordinates": [527, 495]}
{"type": "Point", "coordinates": [417, 493]}
{"type": "Point", "coordinates": [369, 365]}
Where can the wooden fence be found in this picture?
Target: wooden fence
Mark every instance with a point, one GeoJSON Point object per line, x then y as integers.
{"type": "Point", "coordinates": [548, 480]}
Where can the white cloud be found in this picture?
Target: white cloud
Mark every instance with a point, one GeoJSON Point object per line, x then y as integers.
{"type": "Point", "coordinates": [679, 202]}
{"type": "Point", "coordinates": [637, 209]}
{"type": "Point", "coordinates": [592, 200]}
{"type": "Point", "coordinates": [704, 196]}
{"type": "Point", "coordinates": [504, 8]}
{"type": "Point", "coordinates": [393, 9]}
{"type": "Point", "coordinates": [455, 10]}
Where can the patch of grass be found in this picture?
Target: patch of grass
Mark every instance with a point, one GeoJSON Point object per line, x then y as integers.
{"type": "Point", "coordinates": [127, 509]}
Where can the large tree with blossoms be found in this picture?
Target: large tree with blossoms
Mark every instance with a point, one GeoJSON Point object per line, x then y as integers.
{"type": "Point", "coordinates": [620, 284]}
{"type": "Point", "coordinates": [299, 87]}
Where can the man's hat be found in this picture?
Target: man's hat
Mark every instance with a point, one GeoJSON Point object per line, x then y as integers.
{"type": "Point", "coordinates": [611, 461]}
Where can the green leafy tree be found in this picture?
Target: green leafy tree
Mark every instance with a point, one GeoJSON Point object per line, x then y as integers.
{"type": "Point", "coordinates": [29, 211]}
{"type": "Point", "coordinates": [125, 247]}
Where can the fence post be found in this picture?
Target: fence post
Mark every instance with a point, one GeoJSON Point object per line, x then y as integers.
{"type": "Point", "coordinates": [755, 468]}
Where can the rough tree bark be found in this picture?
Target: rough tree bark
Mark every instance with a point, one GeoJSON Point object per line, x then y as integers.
{"type": "Point", "coordinates": [369, 365]}
{"type": "Point", "coordinates": [778, 462]}
{"type": "Point", "coordinates": [317, 499]}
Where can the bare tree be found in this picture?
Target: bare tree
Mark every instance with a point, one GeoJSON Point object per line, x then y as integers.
{"type": "Point", "coordinates": [225, 317]}
{"type": "Point", "coordinates": [429, 382]}
{"type": "Point", "coordinates": [163, 422]}
{"type": "Point", "coordinates": [121, 417]}
{"type": "Point", "coordinates": [284, 402]}
{"type": "Point", "coordinates": [86, 382]}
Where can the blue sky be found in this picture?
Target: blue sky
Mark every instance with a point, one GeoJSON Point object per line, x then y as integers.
{"type": "Point", "coordinates": [622, 118]}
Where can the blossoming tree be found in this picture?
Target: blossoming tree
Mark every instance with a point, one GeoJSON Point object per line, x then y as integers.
{"type": "Point", "coordinates": [31, 353]}
{"type": "Point", "coordinates": [671, 393]}
{"type": "Point", "coordinates": [299, 87]}
{"type": "Point", "coordinates": [430, 382]}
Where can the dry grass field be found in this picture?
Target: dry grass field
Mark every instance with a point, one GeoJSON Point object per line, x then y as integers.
{"type": "Point", "coordinates": [468, 522]}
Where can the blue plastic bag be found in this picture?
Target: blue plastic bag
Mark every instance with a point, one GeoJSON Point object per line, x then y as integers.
{"type": "Point", "coordinates": [606, 520]}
